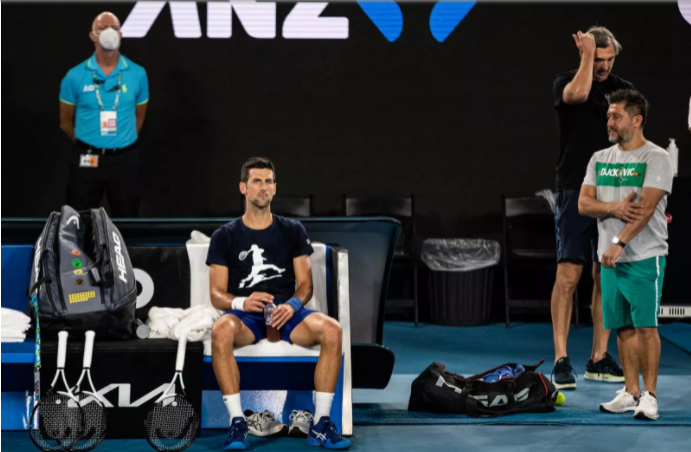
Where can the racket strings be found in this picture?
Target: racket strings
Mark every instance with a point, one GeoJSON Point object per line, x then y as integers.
{"type": "Point", "coordinates": [172, 424]}
{"type": "Point", "coordinates": [94, 422]}
{"type": "Point", "coordinates": [57, 422]}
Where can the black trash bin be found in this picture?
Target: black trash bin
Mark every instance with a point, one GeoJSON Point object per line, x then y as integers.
{"type": "Point", "coordinates": [460, 282]}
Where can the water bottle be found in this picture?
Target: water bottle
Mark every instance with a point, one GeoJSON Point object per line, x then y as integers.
{"type": "Point", "coordinates": [674, 153]}
{"type": "Point", "coordinates": [272, 334]}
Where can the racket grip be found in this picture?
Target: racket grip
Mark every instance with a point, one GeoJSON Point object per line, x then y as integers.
{"type": "Point", "coordinates": [62, 348]}
{"type": "Point", "coordinates": [182, 347]}
{"type": "Point", "coordinates": [88, 349]}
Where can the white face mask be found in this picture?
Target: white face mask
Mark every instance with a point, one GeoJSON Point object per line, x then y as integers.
{"type": "Point", "coordinates": [109, 39]}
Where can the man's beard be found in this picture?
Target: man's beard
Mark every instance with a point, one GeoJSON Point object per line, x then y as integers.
{"type": "Point", "coordinates": [256, 203]}
{"type": "Point", "coordinates": [622, 137]}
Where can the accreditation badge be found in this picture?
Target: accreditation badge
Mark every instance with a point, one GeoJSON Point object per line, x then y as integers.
{"type": "Point", "coordinates": [88, 161]}
{"type": "Point", "coordinates": [109, 123]}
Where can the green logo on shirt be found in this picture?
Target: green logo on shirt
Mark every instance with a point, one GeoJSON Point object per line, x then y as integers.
{"type": "Point", "coordinates": [620, 174]}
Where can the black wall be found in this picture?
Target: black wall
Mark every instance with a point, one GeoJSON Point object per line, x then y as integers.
{"type": "Point", "coordinates": [458, 123]}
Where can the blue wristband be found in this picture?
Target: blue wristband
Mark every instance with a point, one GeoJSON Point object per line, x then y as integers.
{"type": "Point", "coordinates": [296, 303]}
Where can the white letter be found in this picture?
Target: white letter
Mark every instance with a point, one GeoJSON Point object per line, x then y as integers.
{"type": "Point", "coordinates": [303, 22]}
{"type": "Point", "coordinates": [258, 19]}
{"type": "Point", "coordinates": [184, 15]}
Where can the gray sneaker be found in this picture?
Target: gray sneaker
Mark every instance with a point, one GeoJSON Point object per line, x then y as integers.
{"type": "Point", "coordinates": [264, 424]}
{"type": "Point", "coordinates": [300, 423]}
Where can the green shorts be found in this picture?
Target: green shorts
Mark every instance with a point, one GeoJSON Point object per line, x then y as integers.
{"type": "Point", "coordinates": [631, 293]}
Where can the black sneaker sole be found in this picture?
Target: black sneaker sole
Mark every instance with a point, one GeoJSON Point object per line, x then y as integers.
{"type": "Point", "coordinates": [295, 432]}
{"type": "Point", "coordinates": [642, 417]}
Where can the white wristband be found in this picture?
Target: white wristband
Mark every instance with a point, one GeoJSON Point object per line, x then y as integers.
{"type": "Point", "coordinates": [239, 303]}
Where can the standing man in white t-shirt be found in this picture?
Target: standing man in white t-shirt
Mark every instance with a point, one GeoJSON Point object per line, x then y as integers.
{"type": "Point", "coordinates": [626, 188]}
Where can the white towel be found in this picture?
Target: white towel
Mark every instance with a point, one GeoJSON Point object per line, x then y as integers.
{"type": "Point", "coordinates": [12, 335]}
{"type": "Point", "coordinates": [14, 325]}
{"type": "Point", "coordinates": [195, 323]}
{"type": "Point", "coordinates": [12, 316]}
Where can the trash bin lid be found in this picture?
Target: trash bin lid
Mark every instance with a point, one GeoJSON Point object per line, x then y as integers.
{"type": "Point", "coordinates": [460, 255]}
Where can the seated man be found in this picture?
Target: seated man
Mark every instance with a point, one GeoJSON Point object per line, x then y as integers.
{"type": "Point", "coordinates": [243, 285]}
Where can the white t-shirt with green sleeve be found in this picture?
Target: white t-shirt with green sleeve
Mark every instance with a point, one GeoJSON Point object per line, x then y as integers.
{"type": "Point", "coordinates": [615, 174]}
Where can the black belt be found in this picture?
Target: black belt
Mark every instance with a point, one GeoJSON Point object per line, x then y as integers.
{"type": "Point", "coordinates": [106, 151]}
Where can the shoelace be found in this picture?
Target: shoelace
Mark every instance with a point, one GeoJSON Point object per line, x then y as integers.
{"type": "Point", "coordinates": [267, 415]}
{"type": "Point", "coordinates": [647, 400]}
{"type": "Point", "coordinates": [235, 428]}
{"type": "Point", "coordinates": [301, 416]}
{"type": "Point", "coordinates": [622, 392]}
{"type": "Point", "coordinates": [610, 364]}
{"type": "Point", "coordinates": [258, 418]}
{"type": "Point", "coordinates": [562, 371]}
{"type": "Point", "coordinates": [332, 428]}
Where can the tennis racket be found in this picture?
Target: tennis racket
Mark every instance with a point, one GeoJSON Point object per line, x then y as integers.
{"type": "Point", "coordinates": [172, 423]}
{"type": "Point", "coordinates": [57, 421]}
{"type": "Point", "coordinates": [91, 403]}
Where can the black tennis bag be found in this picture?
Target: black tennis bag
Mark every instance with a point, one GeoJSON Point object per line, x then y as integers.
{"type": "Point", "coordinates": [83, 275]}
{"type": "Point", "coordinates": [438, 391]}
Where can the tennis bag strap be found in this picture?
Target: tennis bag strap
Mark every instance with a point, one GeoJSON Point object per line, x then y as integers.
{"type": "Point", "coordinates": [530, 392]}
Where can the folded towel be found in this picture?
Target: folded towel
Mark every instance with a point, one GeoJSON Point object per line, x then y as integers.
{"type": "Point", "coordinates": [12, 335]}
{"type": "Point", "coordinates": [10, 316]}
{"type": "Point", "coordinates": [195, 323]}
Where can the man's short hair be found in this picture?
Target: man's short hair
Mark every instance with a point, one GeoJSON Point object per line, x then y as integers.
{"type": "Point", "coordinates": [604, 38]}
{"type": "Point", "coordinates": [634, 102]}
{"type": "Point", "coordinates": [256, 163]}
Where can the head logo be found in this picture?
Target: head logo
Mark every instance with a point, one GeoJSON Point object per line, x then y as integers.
{"type": "Point", "coordinates": [75, 219]}
{"type": "Point", "coordinates": [119, 260]}
{"type": "Point", "coordinates": [303, 22]}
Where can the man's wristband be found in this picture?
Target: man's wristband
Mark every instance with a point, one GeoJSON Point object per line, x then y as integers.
{"type": "Point", "coordinates": [238, 303]}
{"type": "Point", "coordinates": [296, 303]}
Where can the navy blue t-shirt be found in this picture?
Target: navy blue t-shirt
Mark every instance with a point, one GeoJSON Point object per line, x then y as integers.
{"type": "Point", "coordinates": [260, 260]}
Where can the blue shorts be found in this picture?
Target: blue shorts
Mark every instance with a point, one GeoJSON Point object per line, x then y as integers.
{"type": "Point", "coordinates": [255, 322]}
{"type": "Point", "coordinates": [576, 233]}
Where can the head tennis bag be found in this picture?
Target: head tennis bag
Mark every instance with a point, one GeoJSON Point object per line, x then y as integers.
{"type": "Point", "coordinates": [83, 275]}
{"type": "Point", "coordinates": [438, 391]}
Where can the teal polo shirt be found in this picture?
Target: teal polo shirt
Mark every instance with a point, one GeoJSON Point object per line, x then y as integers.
{"type": "Point", "coordinates": [77, 88]}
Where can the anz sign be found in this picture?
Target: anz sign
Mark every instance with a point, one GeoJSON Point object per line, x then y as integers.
{"type": "Point", "coordinates": [303, 22]}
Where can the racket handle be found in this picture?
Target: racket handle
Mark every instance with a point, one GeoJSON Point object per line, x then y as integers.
{"type": "Point", "coordinates": [88, 349]}
{"type": "Point", "coordinates": [182, 347]}
{"type": "Point", "coordinates": [62, 348]}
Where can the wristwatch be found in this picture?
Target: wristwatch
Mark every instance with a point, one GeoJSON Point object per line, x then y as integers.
{"type": "Point", "coordinates": [616, 241]}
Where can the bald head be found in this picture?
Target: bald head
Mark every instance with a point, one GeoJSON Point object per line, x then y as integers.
{"type": "Point", "coordinates": [104, 20]}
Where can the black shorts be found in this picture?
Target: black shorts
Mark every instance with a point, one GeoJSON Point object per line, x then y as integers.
{"type": "Point", "coordinates": [576, 233]}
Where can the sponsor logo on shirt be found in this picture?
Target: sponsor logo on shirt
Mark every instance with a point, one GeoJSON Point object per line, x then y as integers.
{"type": "Point", "coordinates": [620, 174]}
{"type": "Point", "coordinates": [88, 88]}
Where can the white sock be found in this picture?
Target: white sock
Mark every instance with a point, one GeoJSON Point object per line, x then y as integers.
{"type": "Point", "coordinates": [232, 402]}
{"type": "Point", "coordinates": [322, 405]}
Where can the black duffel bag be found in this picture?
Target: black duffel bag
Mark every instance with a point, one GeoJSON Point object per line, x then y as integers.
{"type": "Point", "coordinates": [82, 277]}
{"type": "Point", "coordinates": [438, 391]}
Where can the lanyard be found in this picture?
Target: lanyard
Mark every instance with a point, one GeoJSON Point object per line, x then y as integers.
{"type": "Point", "coordinates": [117, 96]}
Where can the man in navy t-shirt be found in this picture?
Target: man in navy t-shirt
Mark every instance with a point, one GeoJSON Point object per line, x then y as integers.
{"type": "Point", "coordinates": [255, 260]}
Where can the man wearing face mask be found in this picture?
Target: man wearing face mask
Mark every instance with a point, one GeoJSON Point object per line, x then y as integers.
{"type": "Point", "coordinates": [103, 102]}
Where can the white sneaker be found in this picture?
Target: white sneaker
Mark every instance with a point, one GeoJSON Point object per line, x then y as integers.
{"type": "Point", "coordinates": [647, 408]}
{"type": "Point", "coordinates": [622, 402]}
{"type": "Point", "coordinates": [264, 424]}
{"type": "Point", "coordinates": [300, 423]}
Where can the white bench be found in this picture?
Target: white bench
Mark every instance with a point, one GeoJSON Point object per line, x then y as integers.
{"type": "Point", "coordinates": [329, 274]}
